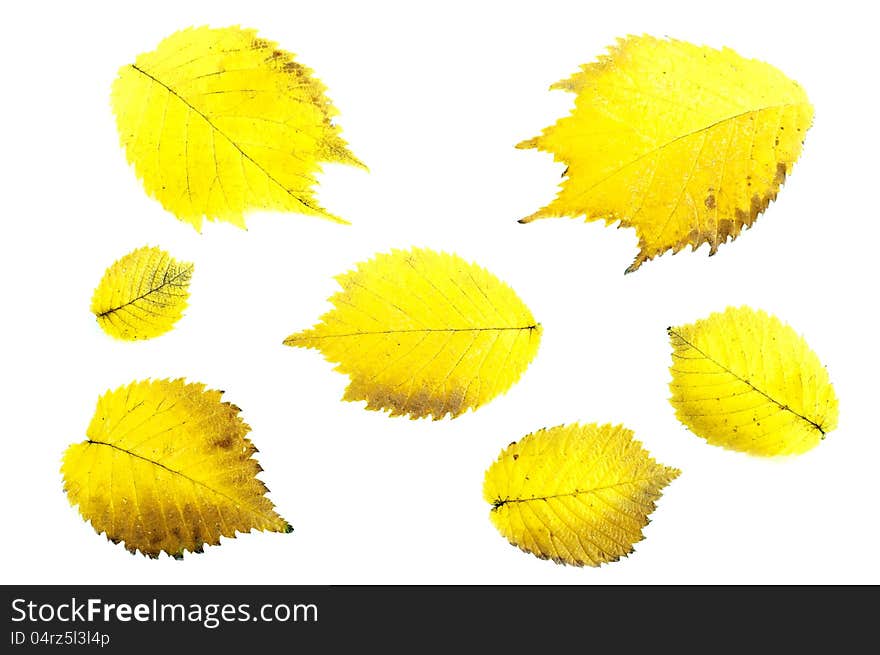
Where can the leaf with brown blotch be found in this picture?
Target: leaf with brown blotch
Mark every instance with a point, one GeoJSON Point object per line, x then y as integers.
{"type": "Point", "coordinates": [686, 144]}
{"type": "Point", "coordinates": [425, 334]}
{"type": "Point", "coordinates": [167, 467]}
{"type": "Point", "coordinates": [218, 122]}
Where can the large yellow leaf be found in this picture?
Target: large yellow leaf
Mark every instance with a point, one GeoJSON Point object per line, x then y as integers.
{"type": "Point", "coordinates": [743, 380]}
{"type": "Point", "coordinates": [167, 467]}
{"type": "Point", "coordinates": [218, 121]}
{"type": "Point", "coordinates": [424, 333]}
{"type": "Point", "coordinates": [142, 295]}
{"type": "Point", "coordinates": [576, 494]}
{"type": "Point", "coordinates": [686, 144]}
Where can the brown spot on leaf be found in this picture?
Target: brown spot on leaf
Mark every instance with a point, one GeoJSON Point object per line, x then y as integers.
{"type": "Point", "coordinates": [293, 68]}
{"type": "Point", "coordinates": [224, 442]}
{"type": "Point", "coordinates": [780, 173]}
{"type": "Point", "coordinates": [710, 201]}
{"type": "Point", "coordinates": [756, 207]}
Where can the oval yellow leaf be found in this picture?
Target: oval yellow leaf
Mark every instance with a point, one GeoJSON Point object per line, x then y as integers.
{"type": "Point", "coordinates": [142, 295]}
{"type": "Point", "coordinates": [576, 494]}
{"type": "Point", "coordinates": [686, 144]}
{"type": "Point", "coordinates": [219, 121]}
{"type": "Point", "coordinates": [424, 333]}
{"type": "Point", "coordinates": [167, 468]}
{"type": "Point", "coordinates": [743, 380]}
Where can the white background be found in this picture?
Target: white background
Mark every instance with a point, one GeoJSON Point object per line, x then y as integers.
{"type": "Point", "coordinates": [433, 97]}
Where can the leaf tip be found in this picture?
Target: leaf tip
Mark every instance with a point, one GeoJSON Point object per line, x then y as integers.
{"type": "Point", "coordinates": [294, 339]}
{"type": "Point", "coordinates": [333, 218]}
{"type": "Point", "coordinates": [640, 259]}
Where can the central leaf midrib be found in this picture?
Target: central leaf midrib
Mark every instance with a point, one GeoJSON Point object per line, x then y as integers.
{"type": "Point", "coordinates": [166, 282]}
{"type": "Point", "coordinates": [224, 135]}
{"type": "Point", "coordinates": [687, 135]}
{"type": "Point", "coordinates": [782, 406]}
{"type": "Point", "coordinates": [175, 472]}
{"type": "Point", "coordinates": [571, 494]}
{"type": "Point", "coordinates": [413, 331]}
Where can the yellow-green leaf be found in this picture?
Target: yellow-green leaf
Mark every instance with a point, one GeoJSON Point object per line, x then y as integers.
{"type": "Point", "coordinates": [743, 380]}
{"type": "Point", "coordinates": [142, 295]}
{"type": "Point", "coordinates": [686, 144]}
{"type": "Point", "coordinates": [424, 333]}
{"type": "Point", "coordinates": [576, 494]}
{"type": "Point", "coordinates": [167, 468]}
{"type": "Point", "coordinates": [218, 122]}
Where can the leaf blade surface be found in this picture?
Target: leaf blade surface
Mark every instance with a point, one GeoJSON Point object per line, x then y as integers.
{"type": "Point", "coordinates": [142, 295]}
{"type": "Point", "coordinates": [743, 380]}
{"type": "Point", "coordinates": [167, 468]}
{"type": "Point", "coordinates": [424, 333]}
{"type": "Point", "coordinates": [217, 122]}
{"type": "Point", "coordinates": [575, 494]}
{"type": "Point", "coordinates": [686, 144]}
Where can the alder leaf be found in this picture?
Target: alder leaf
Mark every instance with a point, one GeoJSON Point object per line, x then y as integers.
{"type": "Point", "coordinates": [218, 121]}
{"type": "Point", "coordinates": [167, 468]}
{"type": "Point", "coordinates": [424, 333]}
{"type": "Point", "coordinates": [743, 380]}
{"type": "Point", "coordinates": [576, 494]}
{"type": "Point", "coordinates": [142, 295]}
{"type": "Point", "coordinates": [686, 144]}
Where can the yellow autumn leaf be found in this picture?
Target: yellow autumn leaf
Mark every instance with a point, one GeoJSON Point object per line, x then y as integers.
{"type": "Point", "coordinates": [167, 468]}
{"type": "Point", "coordinates": [743, 380]}
{"type": "Point", "coordinates": [576, 494]}
{"type": "Point", "coordinates": [142, 295]}
{"type": "Point", "coordinates": [424, 333]}
{"type": "Point", "coordinates": [686, 144]}
{"type": "Point", "coordinates": [219, 121]}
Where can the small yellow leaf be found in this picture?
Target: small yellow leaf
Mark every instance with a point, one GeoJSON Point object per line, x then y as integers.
{"type": "Point", "coordinates": [424, 333]}
{"type": "Point", "coordinates": [743, 380]}
{"type": "Point", "coordinates": [167, 468]}
{"type": "Point", "coordinates": [142, 295]}
{"type": "Point", "coordinates": [218, 121]}
{"type": "Point", "coordinates": [686, 144]}
{"type": "Point", "coordinates": [576, 494]}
